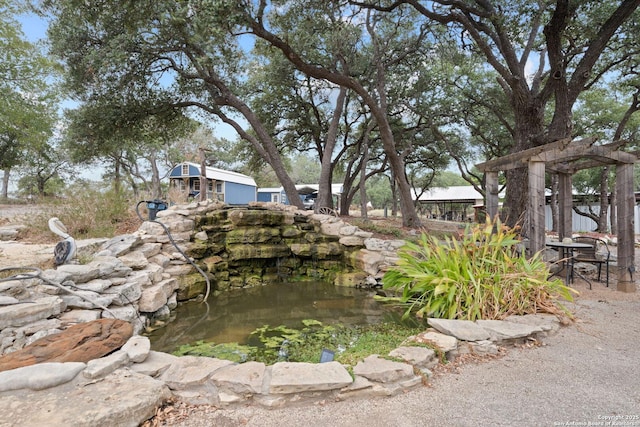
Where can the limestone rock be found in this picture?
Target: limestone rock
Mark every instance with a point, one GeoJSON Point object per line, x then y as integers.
{"type": "Point", "coordinates": [78, 343]}
{"type": "Point", "coordinates": [465, 330]}
{"type": "Point", "coordinates": [123, 399]}
{"type": "Point", "coordinates": [121, 245]}
{"type": "Point", "coordinates": [98, 368]}
{"type": "Point", "coordinates": [125, 294]}
{"type": "Point", "coordinates": [243, 378]}
{"type": "Point", "coordinates": [25, 313]}
{"type": "Point", "coordinates": [381, 370]}
{"type": "Point", "coordinates": [189, 371]}
{"type": "Point", "coordinates": [500, 330]}
{"type": "Point", "coordinates": [135, 259]}
{"type": "Point", "coordinates": [137, 348]}
{"type": "Point", "coordinates": [79, 316]}
{"type": "Point", "coordinates": [442, 342]}
{"type": "Point", "coordinates": [189, 379]}
{"type": "Point", "coordinates": [420, 357]}
{"type": "Point", "coordinates": [87, 299]}
{"type": "Point", "coordinates": [296, 377]}
{"type": "Point", "coordinates": [40, 376]}
{"type": "Point", "coordinates": [546, 322]}
{"type": "Point", "coordinates": [155, 296]}
{"type": "Point", "coordinates": [155, 364]}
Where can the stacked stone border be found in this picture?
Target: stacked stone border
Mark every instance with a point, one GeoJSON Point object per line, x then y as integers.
{"type": "Point", "coordinates": [137, 277]}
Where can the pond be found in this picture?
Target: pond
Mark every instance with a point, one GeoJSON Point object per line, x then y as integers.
{"type": "Point", "coordinates": [231, 317]}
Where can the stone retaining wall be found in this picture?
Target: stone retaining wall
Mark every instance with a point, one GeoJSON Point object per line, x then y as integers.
{"type": "Point", "coordinates": [141, 277]}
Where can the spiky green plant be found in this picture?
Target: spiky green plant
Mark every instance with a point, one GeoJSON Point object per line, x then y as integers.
{"type": "Point", "coordinates": [480, 276]}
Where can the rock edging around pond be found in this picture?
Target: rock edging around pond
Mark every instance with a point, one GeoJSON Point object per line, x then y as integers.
{"type": "Point", "coordinates": [126, 387]}
{"type": "Point", "coordinates": [141, 277]}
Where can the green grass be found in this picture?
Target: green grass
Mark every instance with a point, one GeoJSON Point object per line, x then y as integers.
{"type": "Point", "coordinates": [272, 344]}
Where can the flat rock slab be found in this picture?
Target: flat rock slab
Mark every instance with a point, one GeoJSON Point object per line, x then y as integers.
{"type": "Point", "coordinates": [155, 364]}
{"type": "Point", "coordinates": [502, 330]}
{"type": "Point", "coordinates": [191, 371]}
{"type": "Point", "coordinates": [79, 343]}
{"type": "Point", "coordinates": [381, 370]}
{"type": "Point", "coordinates": [40, 376]}
{"type": "Point", "coordinates": [442, 342]}
{"type": "Point", "coordinates": [420, 357]}
{"type": "Point", "coordinates": [464, 330]}
{"type": "Point", "coordinates": [29, 312]}
{"type": "Point", "coordinates": [123, 398]}
{"type": "Point", "coordinates": [297, 377]}
{"type": "Point", "coordinates": [243, 378]}
{"type": "Point", "coordinates": [547, 322]}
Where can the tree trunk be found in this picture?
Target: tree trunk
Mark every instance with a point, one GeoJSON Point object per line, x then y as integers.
{"type": "Point", "coordinates": [5, 183]}
{"type": "Point", "coordinates": [409, 215]}
{"type": "Point", "coordinates": [529, 125]}
{"type": "Point", "coordinates": [363, 176]}
{"type": "Point", "coordinates": [325, 196]}
{"type": "Point", "coordinates": [156, 190]}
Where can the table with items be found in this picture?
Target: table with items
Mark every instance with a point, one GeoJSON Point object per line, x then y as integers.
{"type": "Point", "coordinates": [565, 252]}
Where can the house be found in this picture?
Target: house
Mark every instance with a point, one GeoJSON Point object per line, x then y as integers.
{"type": "Point", "coordinates": [307, 193]}
{"type": "Point", "coordinates": [455, 203]}
{"type": "Point", "coordinates": [230, 187]}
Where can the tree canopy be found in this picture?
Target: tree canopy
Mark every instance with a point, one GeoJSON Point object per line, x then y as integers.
{"type": "Point", "coordinates": [368, 86]}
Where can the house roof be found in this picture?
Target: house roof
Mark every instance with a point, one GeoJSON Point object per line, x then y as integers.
{"type": "Point", "coordinates": [453, 193]}
{"type": "Point", "coordinates": [223, 175]}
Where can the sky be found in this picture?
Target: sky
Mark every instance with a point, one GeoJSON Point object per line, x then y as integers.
{"type": "Point", "coordinates": [35, 30]}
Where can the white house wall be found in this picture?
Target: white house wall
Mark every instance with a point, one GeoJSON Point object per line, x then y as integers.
{"type": "Point", "coordinates": [582, 223]}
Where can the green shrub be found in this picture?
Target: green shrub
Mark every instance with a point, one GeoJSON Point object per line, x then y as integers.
{"type": "Point", "coordinates": [480, 276]}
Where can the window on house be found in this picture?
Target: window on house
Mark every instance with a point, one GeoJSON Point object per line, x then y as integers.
{"type": "Point", "coordinates": [275, 197]}
{"type": "Point", "coordinates": [185, 170]}
{"type": "Point", "coordinates": [196, 185]}
{"type": "Point", "coordinates": [219, 187]}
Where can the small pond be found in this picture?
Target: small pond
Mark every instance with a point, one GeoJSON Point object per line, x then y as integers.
{"type": "Point", "coordinates": [231, 317]}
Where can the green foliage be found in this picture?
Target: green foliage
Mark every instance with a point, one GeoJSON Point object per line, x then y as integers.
{"type": "Point", "coordinates": [481, 276]}
{"type": "Point", "coordinates": [272, 344]}
{"type": "Point", "coordinates": [232, 351]}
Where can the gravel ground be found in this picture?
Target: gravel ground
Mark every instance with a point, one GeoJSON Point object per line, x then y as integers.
{"type": "Point", "coordinates": [586, 374]}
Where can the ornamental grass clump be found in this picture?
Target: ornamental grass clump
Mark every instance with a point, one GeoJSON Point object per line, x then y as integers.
{"type": "Point", "coordinates": [480, 276]}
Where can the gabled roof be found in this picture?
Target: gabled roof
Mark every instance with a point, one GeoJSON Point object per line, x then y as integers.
{"type": "Point", "coordinates": [220, 174]}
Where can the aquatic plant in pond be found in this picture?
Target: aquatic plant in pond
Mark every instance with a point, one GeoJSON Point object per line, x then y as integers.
{"type": "Point", "coordinates": [481, 276]}
{"type": "Point", "coordinates": [233, 316]}
{"type": "Point", "coordinates": [281, 343]}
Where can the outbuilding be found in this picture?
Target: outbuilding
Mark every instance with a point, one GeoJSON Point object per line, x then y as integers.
{"type": "Point", "coordinates": [230, 187]}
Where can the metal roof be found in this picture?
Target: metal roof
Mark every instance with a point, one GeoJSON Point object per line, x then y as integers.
{"type": "Point", "coordinates": [224, 175]}
{"type": "Point", "coordinates": [453, 193]}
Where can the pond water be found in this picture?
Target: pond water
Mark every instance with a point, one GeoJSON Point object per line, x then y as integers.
{"type": "Point", "coordinates": [231, 317]}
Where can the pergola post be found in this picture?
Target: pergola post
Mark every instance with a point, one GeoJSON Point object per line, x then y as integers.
{"type": "Point", "coordinates": [626, 200]}
{"type": "Point", "coordinates": [536, 207]}
{"type": "Point", "coordinates": [491, 202]}
{"type": "Point", "coordinates": [565, 201]}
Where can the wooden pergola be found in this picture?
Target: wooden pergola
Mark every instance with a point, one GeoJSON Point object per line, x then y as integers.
{"type": "Point", "coordinates": [566, 157]}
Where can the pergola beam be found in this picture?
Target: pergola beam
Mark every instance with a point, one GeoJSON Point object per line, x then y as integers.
{"type": "Point", "coordinates": [567, 157]}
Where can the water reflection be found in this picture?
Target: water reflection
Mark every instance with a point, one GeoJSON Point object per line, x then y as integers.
{"type": "Point", "coordinates": [231, 317]}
